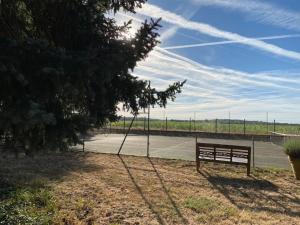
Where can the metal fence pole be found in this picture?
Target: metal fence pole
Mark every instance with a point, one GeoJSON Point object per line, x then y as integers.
{"type": "Point", "coordinates": [194, 121]}
{"type": "Point", "coordinates": [244, 126]}
{"type": "Point", "coordinates": [144, 123]}
{"type": "Point", "coordinates": [229, 123]}
{"type": "Point", "coordinates": [190, 124]}
{"type": "Point", "coordinates": [166, 123]}
{"type": "Point", "coordinates": [148, 134]}
{"type": "Point", "coordinates": [253, 148]}
{"type": "Point", "coordinates": [274, 126]}
{"type": "Point", "coordinates": [267, 122]}
{"type": "Point", "coordinates": [216, 126]}
{"type": "Point", "coordinates": [136, 122]}
{"type": "Point", "coordinates": [124, 124]}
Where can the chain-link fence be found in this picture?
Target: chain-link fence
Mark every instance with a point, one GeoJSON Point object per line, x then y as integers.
{"type": "Point", "coordinates": [212, 125]}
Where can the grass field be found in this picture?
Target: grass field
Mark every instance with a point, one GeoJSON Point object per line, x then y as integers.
{"type": "Point", "coordinates": [90, 188]}
{"type": "Point", "coordinates": [222, 126]}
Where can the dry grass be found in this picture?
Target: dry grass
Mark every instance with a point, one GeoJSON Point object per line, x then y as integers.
{"type": "Point", "coordinates": [92, 188]}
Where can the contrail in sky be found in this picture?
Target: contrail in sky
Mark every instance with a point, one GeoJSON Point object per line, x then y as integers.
{"type": "Point", "coordinates": [169, 17]}
{"type": "Point", "coordinates": [231, 42]}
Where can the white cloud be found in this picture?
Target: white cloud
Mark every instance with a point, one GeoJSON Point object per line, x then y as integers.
{"type": "Point", "coordinates": [154, 11]}
{"type": "Point", "coordinates": [262, 12]}
{"type": "Point", "coordinates": [222, 74]}
{"type": "Point", "coordinates": [212, 91]}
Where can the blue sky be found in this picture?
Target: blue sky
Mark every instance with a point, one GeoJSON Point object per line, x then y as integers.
{"type": "Point", "coordinates": [238, 56]}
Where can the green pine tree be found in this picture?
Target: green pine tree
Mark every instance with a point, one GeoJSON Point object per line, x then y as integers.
{"type": "Point", "coordinates": [65, 66]}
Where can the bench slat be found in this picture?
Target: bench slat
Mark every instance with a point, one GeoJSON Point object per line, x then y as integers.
{"type": "Point", "coordinates": [223, 146]}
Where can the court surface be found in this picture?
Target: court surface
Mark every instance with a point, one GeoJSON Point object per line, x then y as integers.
{"type": "Point", "coordinates": [266, 154]}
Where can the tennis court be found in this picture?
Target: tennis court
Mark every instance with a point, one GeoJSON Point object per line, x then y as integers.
{"type": "Point", "coordinates": [266, 154]}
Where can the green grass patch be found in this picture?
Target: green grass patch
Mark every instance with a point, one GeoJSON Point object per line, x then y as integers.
{"type": "Point", "coordinates": [292, 149]}
{"type": "Point", "coordinates": [210, 210]}
{"type": "Point", "coordinates": [201, 205]}
{"type": "Point", "coordinates": [28, 204]}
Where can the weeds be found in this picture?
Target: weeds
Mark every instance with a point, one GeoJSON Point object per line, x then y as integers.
{"type": "Point", "coordinates": [210, 210]}
{"type": "Point", "coordinates": [292, 149]}
{"type": "Point", "coordinates": [32, 205]}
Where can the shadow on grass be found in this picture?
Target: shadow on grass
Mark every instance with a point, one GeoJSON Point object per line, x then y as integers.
{"type": "Point", "coordinates": [239, 183]}
{"type": "Point", "coordinates": [147, 200]}
{"type": "Point", "coordinates": [6, 188]}
{"type": "Point", "coordinates": [25, 194]}
{"type": "Point", "coordinates": [183, 220]}
{"type": "Point", "coordinates": [138, 188]}
{"type": "Point", "coordinates": [255, 194]}
{"type": "Point", "coordinates": [51, 166]}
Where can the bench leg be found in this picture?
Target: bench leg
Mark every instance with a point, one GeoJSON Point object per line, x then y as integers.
{"type": "Point", "coordinates": [248, 169]}
{"type": "Point", "coordinates": [197, 158]}
{"type": "Point", "coordinates": [198, 164]}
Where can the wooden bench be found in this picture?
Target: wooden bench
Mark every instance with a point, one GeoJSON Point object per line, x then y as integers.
{"type": "Point", "coordinates": [228, 154]}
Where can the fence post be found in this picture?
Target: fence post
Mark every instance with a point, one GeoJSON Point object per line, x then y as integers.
{"type": "Point", "coordinates": [148, 133]}
{"type": "Point", "coordinates": [144, 123]}
{"type": "Point", "coordinates": [194, 124]}
{"type": "Point", "coordinates": [267, 122]}
{"type": "Point", "coordinates": [253, 147]}
{"type": "Point", "coordinates": [166, 123]}
{"type": "Point", "coordinates": [190, 124]}
{"type": "Point", "coordinates": [274, 126]}
{"type": "Point", "coordinates": [83, 147]}
{"type": "Point", "coordinates": [229, 123]}
{"type": "Point", "coordinates": [136, 122]}
{"type": "Point", "coordinates": [124, 123]}
{"type": "Point", "coordinates": [244, 126]}
{"type": "Point", "coordinates": [216, 126]}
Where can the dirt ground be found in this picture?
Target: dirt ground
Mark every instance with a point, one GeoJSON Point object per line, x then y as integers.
{"type": "Point", "coordinates": [91, 188]}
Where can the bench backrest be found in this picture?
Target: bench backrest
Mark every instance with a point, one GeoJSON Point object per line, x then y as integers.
{"type": "Point", "coordinates": [232, 154]}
